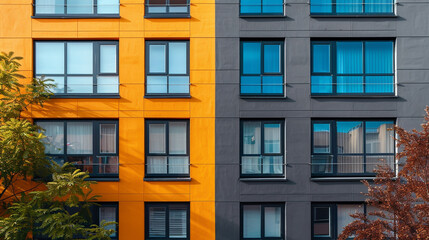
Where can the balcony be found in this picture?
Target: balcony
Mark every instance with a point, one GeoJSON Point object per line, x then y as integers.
{"type": "Point", "coordinates": [76, 9]}
{"type": "Point", "coordinates": [352, 86]}
{"type": "Point", "coordinates": [349, 165]}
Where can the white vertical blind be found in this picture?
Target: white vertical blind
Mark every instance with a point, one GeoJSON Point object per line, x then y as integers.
{"type": "Point", "coordinates": [157, 139]}
{"type": "Point", "coordinates": [107, 138]}
{"type": "Point", "coordinates": [272, 221]}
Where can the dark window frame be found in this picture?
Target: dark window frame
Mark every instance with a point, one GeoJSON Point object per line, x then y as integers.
{"type": "Point", "coordinates": [263, 42]}
{"type": "Point", "coordinates": [166, 74]}
{"type": "Point", "coordinates": [364, 13]}
{"type": "Point", "coordinates": [261, 14]}
{"type": "Point", "coordinates": [96, 143]}
{"type": "Point", "coordinates": [334, 147]}
{"type": "Point", "coordinates": [333, 67]}
{"type": "Point", "coordinates": [282, 147]}
{"type": "Point", "coordinates": [168, 14]}
{"type": "Point", "coordinates": [263, 206]}
{"type": "Point", "coordinates": [96, 69]}
{"type": "Point", "coordinates": [66, 15]}
{"type": "Point", "coordinates": [333, 221]}
{"type": "Point", "coordinates": [167, 206]}
{"type": "Point", "coordinates": [167, 154]}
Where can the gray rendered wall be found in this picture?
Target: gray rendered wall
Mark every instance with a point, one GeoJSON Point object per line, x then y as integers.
{"type": "Point", "coordinates": [410, 29]}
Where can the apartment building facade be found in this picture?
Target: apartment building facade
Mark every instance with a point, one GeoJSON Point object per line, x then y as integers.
{"type": "Point", "coordinates": [224, 119]}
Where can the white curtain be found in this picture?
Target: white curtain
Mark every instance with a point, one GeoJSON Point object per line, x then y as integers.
{"type": "Point", "coordinates": [157, 217]}
{"type": "Point", "coordinates": [251, 165]}
{"type": "Point", "coordinates": [272, 137]}
{"type": "Point", "coordinates": [343, 212]}
{"type": "Point", "coordinates": [252, 138]}
{"type": "Point", "coordinates": [273, 222]}
{"type": "Point", "coordinates": [177, 137]}
{"type": "Point", "coordinates": [54, 141]}
{"type": "Point", "coordinates": [178, 165]}
{"type": "Point", "coordinates": [177, 223]}
{"type": "Point", "coordinates": [79, 138]}
{"type": "Point", "coordinates": [107, 138]}
{"type": "Point", "coordinates": [273, 164]}
{"type": "Point", "coordinates": [156, 165]}
{"type": "Point", "coordinates": [252, 221]}
{"type": "Point", "coordinates": [157, 138]}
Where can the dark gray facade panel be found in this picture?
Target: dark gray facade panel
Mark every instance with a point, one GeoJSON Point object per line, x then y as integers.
{"type": "Point", "coordinates": [410, 29]}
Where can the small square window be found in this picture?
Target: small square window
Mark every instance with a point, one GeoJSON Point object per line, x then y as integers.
{"type": "Point", "coordinates": [262, 221]}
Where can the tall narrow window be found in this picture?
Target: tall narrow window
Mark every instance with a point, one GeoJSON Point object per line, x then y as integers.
{"type": "Point", "coordinates": [167, 9]}
{"type": "Point", "coordinates": [261, 7]}
{"type": "Point", "coordinates": [76, 8]}
{"type": "Point", "coordinates": [262, 68]}
{"type": "Point", "coordinates": [262, 150]}
{"type": "Point", "coordinates": [352, 7]}
{"type": "Point", "coordinates": [79, 68]}
{"type": "Point", "coordinates": [167, 221]}
{"type": "Point", "coordinates": [167, 68]}
{"type": "Point", "coordinates": [351, 147]}
{"type": "Point", "coordinates": [167, 150]}
{"type": "Point", "coordinates": [353, 68]}
{"type": "Point", "coordinates": [262, 221]}
{"type": "Point", "coordinates": [90, 145]}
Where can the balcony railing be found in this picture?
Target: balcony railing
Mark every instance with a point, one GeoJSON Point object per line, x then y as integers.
{"type": "Point", "coordinates": [102, 166]}
{"type": "Point", "coordinates": [273, 7]}
{"type": "Point", "coordinates": [262, 166]}
{"type": "Point", "coordinates": [320, 86]}
{"type": "Point", "coordinates": [352, 7]}
{"type": "Point", "coordinates": [73, 8]}
{"type": "Point", "coordinates": [349, 165]}
{"type": "Point", "coordinates": [167, 9]}
{"type": "Point", "coordinates": [85, 89]}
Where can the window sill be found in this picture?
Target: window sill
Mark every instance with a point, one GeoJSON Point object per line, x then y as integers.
{"type": "Point", "coordinates": [354, 16]}
{"type": "Point", "coordinates": [161, 16]}
{"type": "Point", "coordinates": [77, 16]}
{"type": "Point", "coordinates": [340, 179]}
{"type": "Point", "coordinates": [263, 97]}
{"type": "Point", "coordinates": [354, 96]}
{"type": "Point", "coordinates": [116, 96]}
{"type": "Point", "coordinates": [244, 179]}
{"type": "Point", "coordinates": [103, 179]}
{"type": "Point", "coordinates": [263, 16]}
{"type": "Point", "coordinates": [178, 179]}
{"type": "Point", "coordinates": [167, 96]}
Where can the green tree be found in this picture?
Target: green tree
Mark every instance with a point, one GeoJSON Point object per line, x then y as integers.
{"type": "Point", "coordinates": [42, 208]}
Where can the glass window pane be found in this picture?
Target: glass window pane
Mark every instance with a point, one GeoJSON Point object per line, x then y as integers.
{"type": "Point", "coordinates": [107, 84]}
{"type": "Point", "coordinates": [379, 84]}
{"type": "Point", "coordinates": [177, 223]}
{"type": "Point", "coordinates": [58, 81]}
{"type": "Point", "coordinates": [379, 57]}
{"type": "Point", "coordinates": [54, 141]}
{"type": "Point", "coordinates": [80, 7]}
{"type": "Point", "coordinates": [156, 84]}
{"type": "Point", "coordinates": [321, 58]}
{"type": "Point", "coordinates": [321, 164]}
{"type": "Point", "coordinates": [251, 85]}
{"type": "Point", "coordinates": [321, 138]}
{"type": "Point", "coordinates": [107, 138]}
{"type": "Point", "coordinates": [157, 55]}
{"type": "Point", "coordinates": [177, 137]}
{"type": "Point", "coordinates": [272, 58]}
{"type": "Point", "coordinates": [321, 222]}
{"type": "Point", "coordinates": [272, 84]}
{"type": "Point", "coordinates": [177, 58]}
{"type": "Point", "coordinates": [379, 139]}
{"type": "Point", "coordinates": [49, 6]}
{"type": "Point", "coordinates": [80, 58]}
{"type": "Point", "coordinates": [344, 211]}
{"type": "Point", "coordinates": [108, 58]}
{"type": "Point", "coordinates": [156, 165]}
{"type": "Point", "coordinates": [379, 6]}
{"type": "Point", "coordinates": [373, 162]}
{"type": "Point", "coordinates": [349, 57]}
{"type": "Point", "coordinates": [349, 84]}
{"type": "Point", "coordinates": [178, 84]}
{"type": "Point", "coordinates": [80, 85]}
{"type": "Point", "coordinates": [272, 138]}
{"type": "Point", "coordinates": [349, 6]}
{"type": "Point", "coordinates": [321, 6]}
{"type": "Point", "coordinates": [108, 165]}
{"type": "Point", "coordinates": [252, 138]}
{"type": "Point", "coordinates": [272, 165]}
{"type": "Point", "coordinates": [157, 220]}
{"type": "Point", "coordinates": [49, 58]}
{"type": "Point", "coordinates": [109, 215]}
{"type": "Point", "coordinates": [321, 84]}
{"type": "Point", "coordinates": [273, 221]}
{"type": "Point", "coordinates": [350, 164]}
{"type": "Point", "coordinates": [251, 221]}
{"type": "Point", "coordinates": [350, 137]}
{"type": "Point", "coordinates": [251, 58]}
{"type": "Point", "coordinates": [178, 165]}
{"type": "Point", "coordinates": [250, 6]}
{"type": "Point", "coordinates": [157, 6]}
{"type": "Point", "coordinates": [178, 6]}
{"type": "Point", "coordinates": [272, 6]}
{"type": "Point", "coordinates": [251, 165]}
{"type": "Point", "coordinates": [79, 138]}
{"type": "Point", "coordinates": [157, 141]}
{"type": "Point", "coordinates": [108, 6]}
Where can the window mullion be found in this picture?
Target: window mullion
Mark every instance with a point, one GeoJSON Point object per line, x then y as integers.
{"type": "Point", "coordinates": [262, 221]}
{"type": "Point", "coordinates": [167, 145]}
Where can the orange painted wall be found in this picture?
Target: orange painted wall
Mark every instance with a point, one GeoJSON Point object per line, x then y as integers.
{"type": "Point", "coordinates": [17, 32]}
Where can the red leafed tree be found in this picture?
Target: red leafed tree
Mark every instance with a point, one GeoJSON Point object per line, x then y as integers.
{"type": "Point", "coordinates": [401, 200]}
